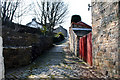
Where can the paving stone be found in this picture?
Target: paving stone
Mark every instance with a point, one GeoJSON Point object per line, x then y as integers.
{"type": "Point", "coordinates": [55, 66]}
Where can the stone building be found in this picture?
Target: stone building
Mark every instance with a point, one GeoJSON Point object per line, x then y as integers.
{"type": "Point", "coordinates": [106, 37]}
{"type": "Point", "coordinates": [61, 29]}
{"type": "Point", "coordinates": [34, 24]}
{"type": "Point", "coordinates": [76, 31]}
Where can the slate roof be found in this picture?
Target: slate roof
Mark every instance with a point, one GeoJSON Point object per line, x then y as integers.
{"type": "Point", "coordinates": [60, 27]}
{"type": "Point", "coordinates": [34, 19]}
{"type": "Point", "coordinates": [82, 24]}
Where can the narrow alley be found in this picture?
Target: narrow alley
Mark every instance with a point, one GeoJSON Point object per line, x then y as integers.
{"type": "Point", "coordinates": [57, 62]}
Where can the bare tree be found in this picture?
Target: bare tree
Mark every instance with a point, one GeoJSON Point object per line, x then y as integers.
{"type": "Point", "coordinates": [8, 9]}
{"type": "Point", "coordinates": [51, 12]}
{"type": "Point", "coordinates": [22, 11]}
{"type": "Point", "coordinates": [12, 9]}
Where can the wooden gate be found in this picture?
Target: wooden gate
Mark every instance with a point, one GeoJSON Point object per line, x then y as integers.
{"type": "Point", "coordinates": [85, 48]}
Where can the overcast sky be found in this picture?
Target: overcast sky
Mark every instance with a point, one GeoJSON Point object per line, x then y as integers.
{"type": "Point", "coordinates": [79, 7]}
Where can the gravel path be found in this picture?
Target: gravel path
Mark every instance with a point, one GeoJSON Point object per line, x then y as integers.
{"type": "Point", "coordinates": [57, 63]}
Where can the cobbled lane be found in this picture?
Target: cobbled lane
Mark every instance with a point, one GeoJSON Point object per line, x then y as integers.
{"type": "Point", "coordinates": [56, 63]}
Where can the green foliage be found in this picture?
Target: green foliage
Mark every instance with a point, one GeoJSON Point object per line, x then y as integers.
{"type": "Point", "coordinates": [58, 37]}
{"type": "Point", "coordinates": [43, 29]}
{"type": "Point", "coordinates": [59, 34]}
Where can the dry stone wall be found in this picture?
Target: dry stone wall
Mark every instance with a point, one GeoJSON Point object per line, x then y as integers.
{"type": "Point", "coordinates": [74, 37]}
{"type": "Point", "coordinates": [21, 48]}
{"type": "Point", "coordinates": [106, 37]}
{"type": "Point", "coordinates": [74, 42]}
{"type": "Point", "coordinates": [20, 56]}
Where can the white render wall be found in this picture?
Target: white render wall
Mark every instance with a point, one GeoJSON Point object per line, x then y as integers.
{"type": "Point", "coordinates": [1, 60]}
{"type": "Point", "coordinates": [1, 49]}
{"type": "Point", "coordinates": [35, 25]}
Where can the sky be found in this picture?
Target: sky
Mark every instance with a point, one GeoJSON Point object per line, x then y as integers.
{"type": "Point", "coordinates": [79, 7]}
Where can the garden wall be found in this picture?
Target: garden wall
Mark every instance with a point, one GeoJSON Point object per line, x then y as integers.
{"type": "Point", "coordinates": [24, 55]}
{"type": "Point", "coordinates": [106, 37]}
{"type": "Point", "coordinates": [21, 48]}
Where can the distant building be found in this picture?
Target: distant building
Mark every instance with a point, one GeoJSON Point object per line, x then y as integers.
{"type": "Point", "coordinates": [61, 29]}
{"type": "Point", "coordinates": [34, 24]}
{"type": "Point", "coordinates": [80, 28]}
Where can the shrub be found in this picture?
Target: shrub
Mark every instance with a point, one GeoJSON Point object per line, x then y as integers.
{"type": "Point", "coordinates": [58, 37]}
{"type": "Point", "coordinates": [43, 30]}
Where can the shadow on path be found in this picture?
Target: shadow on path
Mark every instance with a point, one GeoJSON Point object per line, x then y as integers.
{"type": "Point", "coordinates": [57, 62]}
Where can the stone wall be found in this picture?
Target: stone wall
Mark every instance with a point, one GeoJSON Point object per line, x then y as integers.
{"type": "Point", "coordinates": [15, 38]}
{"type": "Point", "coordinates": [105, 35]}
{"type": "Point", "coordinates": [74, 42]}
{"type": "Point", "coordinates": [74, 37]}
{"type": "Point", "coordinates": [16, 57]}
{"type": "Point", "coordinates": [22, 45]}
{"type": "Point", "coordinates": [24, 55]}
